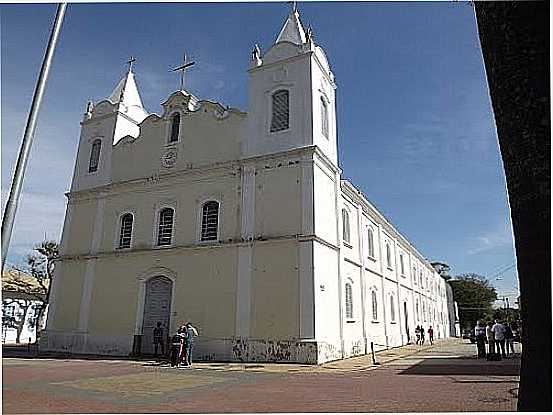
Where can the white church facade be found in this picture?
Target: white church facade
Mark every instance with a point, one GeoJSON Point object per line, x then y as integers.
{"type": "Point", "coordinates": [238, 222]}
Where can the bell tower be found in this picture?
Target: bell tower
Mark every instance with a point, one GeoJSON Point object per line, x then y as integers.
{"type": "Point", "coordinates": [103, 125]}
{"type": "Point", "coordinates": [291, 95]}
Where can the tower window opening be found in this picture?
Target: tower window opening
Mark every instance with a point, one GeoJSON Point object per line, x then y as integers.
{"type": "Point", "coordinates": [95, 156]}
{"type": "Point", "coordinates": [280, 114]}
{"type": "Point", "coordinates": [175, 128]}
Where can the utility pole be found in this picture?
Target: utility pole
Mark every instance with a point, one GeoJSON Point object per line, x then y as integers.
{"type": "Point", "coordinates": [24, 151]}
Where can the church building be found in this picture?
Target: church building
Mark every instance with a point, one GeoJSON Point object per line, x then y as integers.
{"type": "Point", "coordinates": [238, 222]}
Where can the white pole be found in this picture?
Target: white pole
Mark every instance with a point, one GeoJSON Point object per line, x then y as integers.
{"type": "Point", "coordinates": [24, 151]}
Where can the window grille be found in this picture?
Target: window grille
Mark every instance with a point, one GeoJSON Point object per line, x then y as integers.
{"type": "Point", "coordinates": [210, 221]}
{"type": "Point", "coordinates": [345, 225]}
{"type": "Point", "coordinates": [94, 156]}
{"type": "Point", "coordinates": [349, 301]}
{"type": "Point", "coordinates": [371, 243]}
{"type": "Point", "coordinates": [175, 127]}
{"type": "Point", "coordinates": [125, 232]}
{"type": "Point", "coordinates": [324, 117]}
{"type": "Point", "coordinates": [280, 117]}
{"type": "Point", "coordinates": [392, 309]}
{"type": "Point", "coordinates": [375, 305]}
{"type": "Point", "coordinates": [165, 227]}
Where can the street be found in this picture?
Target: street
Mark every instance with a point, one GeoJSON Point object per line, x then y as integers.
{"type": "Point", "coordinates": [442, 378]}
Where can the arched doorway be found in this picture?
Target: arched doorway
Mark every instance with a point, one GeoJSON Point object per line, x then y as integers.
{"type": "Point", "coordinates": [157, 307]}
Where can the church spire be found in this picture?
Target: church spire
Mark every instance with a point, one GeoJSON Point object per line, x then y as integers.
{"type": "Point", "coordinates": [126, 94]}
{"type": "Point", "coordinates": [292, 31]}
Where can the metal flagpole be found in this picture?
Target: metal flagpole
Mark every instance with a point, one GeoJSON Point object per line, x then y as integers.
{"type": "Point", "coordinates": [15, 190]}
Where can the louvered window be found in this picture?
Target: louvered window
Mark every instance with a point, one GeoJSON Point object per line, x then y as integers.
{"type": "Point", "coordinates": [345, 225]}
{"type": "Point", "coordinates": [324, 117]}
{"type": "Point", "coordinates": [175, 127]}
{"type": "Point", "coordinates": [125, 232]}
{"type": "Point", "coordinates": [375, 306]}
{"type": "Point", "coordinates": [210, 221]}
{"type": "Point", "coordinates": [94, 156]}
{"type": "Point", "coordinates": [165, 227]}
{"type": "Point", "coordinates": [371, 242]}
{"type": "Point", "coordinates": [349, 302]}
{"type": "Point", "coordinates": [280, 114]}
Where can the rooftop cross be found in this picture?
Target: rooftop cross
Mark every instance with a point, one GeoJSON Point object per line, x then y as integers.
{"type": "Point", "coordinates": [131, 60]}
{"type": "Point", "coordinates": [182, 69]}
{"type": "Point", "coordinates": [293, 7]}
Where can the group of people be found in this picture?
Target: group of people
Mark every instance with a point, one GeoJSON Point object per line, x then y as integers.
{"type": "Point", "coordinates": [181, 344]}
{"type": "Point", "coordinates": [499, 336]}
{"type": "Point", "coordinates": [419, 335]}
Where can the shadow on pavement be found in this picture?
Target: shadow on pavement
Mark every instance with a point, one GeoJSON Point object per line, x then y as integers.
{"type": "Point", "coordinates": [465, 366]}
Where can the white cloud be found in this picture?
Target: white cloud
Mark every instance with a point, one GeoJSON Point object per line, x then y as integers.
{"type": "Point", "coordinates": [492, 239]}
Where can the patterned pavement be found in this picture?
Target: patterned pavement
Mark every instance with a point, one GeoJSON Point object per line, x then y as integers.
{"type": "Point", "coordinates": [442, 378]}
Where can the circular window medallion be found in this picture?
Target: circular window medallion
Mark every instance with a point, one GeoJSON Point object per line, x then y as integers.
{"type": "Point", "coordinates": [169, 158]}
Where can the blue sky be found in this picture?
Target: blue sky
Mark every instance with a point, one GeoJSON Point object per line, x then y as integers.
{"type": "Point", "coordinates": [416, 132]}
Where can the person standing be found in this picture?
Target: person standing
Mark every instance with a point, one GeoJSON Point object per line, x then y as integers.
{"type": "Point", "coordinates": [480, 334]}
{"type": "Point", "coordinates": [191, 333]}
{"type": "Point", "coordinates": [422, 335]}
{"type": "Point", "coordinates": [176, 347]}
{"type": "Point", "coordinates": [418, 334]}
{"type": "Point", "coordinates": [158, 339]}
{"type": "Point", "coordinates": [509, 338]}
{"type": "Point", "coordinates": [499, 336]}
{"type": "Point", "coordinates": [490, 338]}
{"type": "Point", "coordinates": [431, 335]}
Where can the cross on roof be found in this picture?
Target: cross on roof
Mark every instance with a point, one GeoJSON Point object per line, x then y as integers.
{"type": "Point", "coordinates": [131, 60]}
{"type": "Point", "coordinates": [292, 5]}
{"type": "Point", "coordinates": [182, 68]}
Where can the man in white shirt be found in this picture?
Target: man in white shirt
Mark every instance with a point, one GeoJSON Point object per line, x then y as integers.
{"type": "Point", "coordinates": [480, 334]}
{"type": "Point", "coordinates": [499, 335]}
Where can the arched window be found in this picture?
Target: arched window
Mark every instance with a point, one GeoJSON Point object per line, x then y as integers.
{"type": "Point", "coordinates": [280, 111]}
{"type": "Point", "coordinates": [375, 305]}
{"type": "Point", "coordinates": [392, 309]}
{"type": "Point", "coordinates": [210, 221]}
{"type": "Point", "coordinates": [345, 225]}
{"type": "Point", "coordinates": [401, 265]}
{"type": "Point", "coordinates": [349, 302]}
{"type": "Point", "coordinates": [415, 275]}
{"type": "Point", "coordinates": [165, 226]}
{"type": "Point", "coordinates": [371, 242]}
{"type": "Point", "coordinates": [324, 117]}
{"type": "Point", "coordinates": [175, 128]}
{"type": "Point", "coordinates": [94, 156]}
{"type": "Point", "coordinates": [420, 278]}
{"type": "Point", "coordinates": [388, 255]}
{"type": "Point", "coordinates": [125, 231]}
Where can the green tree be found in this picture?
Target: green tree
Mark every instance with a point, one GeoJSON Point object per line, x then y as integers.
{"type": "Point", "coordinates": [474, 296]}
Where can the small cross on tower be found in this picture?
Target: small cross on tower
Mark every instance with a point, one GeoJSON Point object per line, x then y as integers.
{"type": "Point", "coordinates": [182, 70]}
{"type": "Point", "coordinates": [131, 60]}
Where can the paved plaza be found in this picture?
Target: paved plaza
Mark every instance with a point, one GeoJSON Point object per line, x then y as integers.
{"type": "Point", "coordinates": [444, 377]}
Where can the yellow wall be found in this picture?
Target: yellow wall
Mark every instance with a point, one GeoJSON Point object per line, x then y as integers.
{"type": "Point", "coordinates": [70, 276]}
{"type": "Point", "coordinates": [274, 290]}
